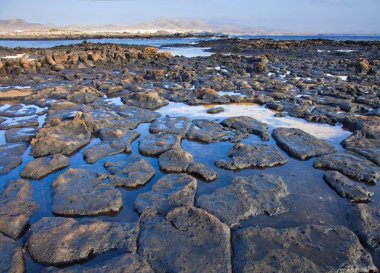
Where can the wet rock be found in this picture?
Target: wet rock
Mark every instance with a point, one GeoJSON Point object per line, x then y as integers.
{"type": "Point", "coordinates": [82, 192]}
{"type": "Point", "coordinates": [20, 135]}
{"type": "Point", "coordinates": [300, 144]}
{"type": "Point", "coordinates": [131, 173]}
{"type": "Point", "coordinates": [208, 95]}
{"type": "Point", "coordinates": [247, 124]}
{"type": "Point", "coordinates": [111, 147]}
{"type": "Point", "coordinates": [248, 156]}
{"type": "Point", "coordinates": [313, 248]}
{"type": "Point", "coordinates": [156, 144]}
{"type": "Point", "coordinates": [20, 110]}
{"type": "Point", "coordinates": [346, 187]}
{"type": "Point", "coordinates": [10, 156]}
{"type": "Point", "coordinates": [202, 171]}
{"type": "Point", "coordinates": [351, 165]}
{"type": "Point", "coordinates": [136, 114]}
{"type": "Point", "coordinates": [147, 100]}
{"type": "Point", "coordinates": [124, 263]}
{"type": "Point", "coordinates": [55, 93]}
{"type": "Point", "coordinates": [170, 125]}
{"type": "Point", "coordinates": [85, 95]}
{"type": "Point", "coordinates": [246, 197]}
{"type": "Point", "coordinates": [11, 259]}
{"type": "Point", "coordinates": [19, 122]}
{"type": "Point", "coordinates": [369, 148]}
{"type": "Point", "coordinates": [175, 160]}
{"type": "Point", "coordinates": [43, 166]}
{"type": "Point", "coordinates": [362, 66]}
{"type": "Point", "coordinates": [171, 191]}
{"type": "Point", "coordinates": [208, 131]}
{"type": "Point", "coordinates": [184, 241]}
{"type": "Point", "coordinates": [64, 138]}
{"type": "Point", "coordinates": [14, 94]}
{"type": "Point", "coordinates": [215, 110]}
{"type": "Point", "coordinates": [59, 240]}
{"type": "Point", "coordinates": [16, 207]}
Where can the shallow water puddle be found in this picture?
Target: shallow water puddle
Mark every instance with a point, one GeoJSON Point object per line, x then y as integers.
{"type": "Point", "coordinates": [334, 134]}
{"type": "Point", "coordinates": [188, 52]}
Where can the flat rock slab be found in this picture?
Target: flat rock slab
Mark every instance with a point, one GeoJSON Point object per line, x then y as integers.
{"type": "Point", "coordinates": [111, 147]}
{"type": "Point", "coordinates": [148, 100]}
{"type": "Point", "coordinates": [156, 144]}
{"type": "Point", "coordinates": [20, 135]}
{"type": "Point", "coordinates": [188, 239]}
{"type": "Point", "coordinates": [82, 192]}
{"type": "Point", "coordinates": [11, 259]}
{"type": "Point", "coordinates": [170, 125]}
{"type": "Point", "coordinates": [215, 110]}
{"type": "Point", "coordinates": [202, 171]}
{"type": "Point", "coordinates": [346, 187]}
{"type": "Point", "coordinates": [252, 156]}
{"type": "Point", "coordinates": [136, 114]}
{"type": "Point", "coordinates": [20, 122]}
{"type": "Point", "coordinates": [300, 144]}
{"type": "Point", "coordinates": [21, 110]}
{"type": "Point", "coordinates": [124, 263]}
{"type": "Point", "coordinates": [43, 166]}
{"type": "Point", "coordinates": [247, 124]}
{"type": "Point", "coordinates": [351, 165]}
{"type": "Point", "coordinates": [64, 138]}
{"type": "Point", "coordinates": [175, 160]}
{"type": "Point", "coordinates": [246, 197]}
{"type": "Point", "coordinates": [131, 173]}
{"type": "Point", "coordinates": [369, 148]}
{"type": "Point", "coordinates": [208, 131]}
{"type": "Point", "coordinates": [10, 156]}
{"type": "Point", "coordinates": [16, 207]}
{"type": "Point", "coordinates": [60, 241]}
{"type": "Point", "coordinates": [313, 248]}
{"type": "Point", "coordinates": [171, 191]}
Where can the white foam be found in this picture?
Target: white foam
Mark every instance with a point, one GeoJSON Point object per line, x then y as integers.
{"type": "Point", "coordinates": [333, 133]}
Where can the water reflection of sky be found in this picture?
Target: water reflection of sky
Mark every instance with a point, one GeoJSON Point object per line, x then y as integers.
{"type": "Point", "coordinates": [188, 51]}
{"type": "Point", "coordinates": [333, 133]}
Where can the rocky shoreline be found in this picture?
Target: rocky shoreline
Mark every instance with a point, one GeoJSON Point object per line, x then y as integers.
{"type": "Point", "coordinates": [93, 178]}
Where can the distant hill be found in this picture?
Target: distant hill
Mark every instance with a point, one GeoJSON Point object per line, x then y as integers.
{"type": "Point", "coordinates": [20, 25]}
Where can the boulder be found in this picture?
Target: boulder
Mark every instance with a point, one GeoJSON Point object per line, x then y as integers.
{"type": "Point", "coordinates": [131, 173]}
{"type": "Point", "coordinates": [313, 248]}
{"type": "Point", "coordinates": [246, 197]}
{"type": "Point", "coordinates": [346, 187]}
{"type": "Point", "coordinates": [362, 66]}
{"type": "Point", "coordinates": [300, 144]}
{"type": "Point", "coordinates": [188, 239]}
{"type": "Point", "coordinates": [60, 241]}
{"type": "Point", "coordinates": [171, 191]}
{"type": "Point", "coordinates": [16, 207]}
{"type": "Point", "coordinates": [252, 156]}
{"type": "Point", "coordinates": [215, 110]}
{"type": "Point", "coordinates": [351, 165]}
{"type": "Point", "coordinates": [43, 166]}
{"type": "Point", "coordinates": [82, 192]}
{"type": "Point", "coordinates": [146, 99]}
{"type": "Point", "coordinates": [11, 259]}
{"type": "Point", "coordinates": [175, 160]}
{"type": "Point", "coordinates": [64, 138]}
{"type": "Point", "coordinates": [247, 124]}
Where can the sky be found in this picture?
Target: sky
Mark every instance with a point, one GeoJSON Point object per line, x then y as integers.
{"type": "Point", "coordinates": [311, 16]}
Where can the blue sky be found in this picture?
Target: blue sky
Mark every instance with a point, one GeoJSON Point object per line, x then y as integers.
{"type": "Point", "coordinates": [318, 16]}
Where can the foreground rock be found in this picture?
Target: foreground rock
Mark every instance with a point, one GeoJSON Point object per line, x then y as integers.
{"type": "Point", "coordinates": [59, 241]}
{"type": "Point", "coordinates": [110, 147]}
{"type": "Point", "coordinates": [346, 187]}
{"type": "Point", "coordinates": [20, 135]}
{"type": "Point", "coordinates": [156, 144]}
{"type": "Point", "coordinates": [170, 125]}
{"type": "Point", "coordinates": [350, 164]}
{"type": "Point", "coordinates": [188, 239]}
{"type": "Point", "coordinates": [16, 207]}
{"type": "Point", "coordinates": [147, 100]}
{"type": "Point", "coordinates": [248, 156]}
{"type": "Point", "coordinates": [369, 148]}
{"type": "Point", "coordinates": [171, 191]}
{"type": "Point", "coordinates": [246, 197]}
{"type": "Point", "coordinates": [64, 138]}
{"type": "Point", "coordinates": [81, 192]}
{"type": "Point", "coordinates": [131, 173]}
{"type": "Point", "coordinates": [313, 248]}
{"type": "Point", "coordinates": [247, 124]}
{"type": "Point", "coordinates": [43, 166]}
{"type": "Point", "coordinates": [20, 122]}
{"type": "Point", "coordinates": [125, 263]}
{"type": "Point", "coordinates": [300, 144]}
{"type": "Point", "coordinates": [11, 259]}
{"type": "Point", "coordinates": [10, 157]}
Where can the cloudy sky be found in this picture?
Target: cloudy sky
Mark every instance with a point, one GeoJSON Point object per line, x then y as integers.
{"type": "Point", "coordinates": [318, 16]}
